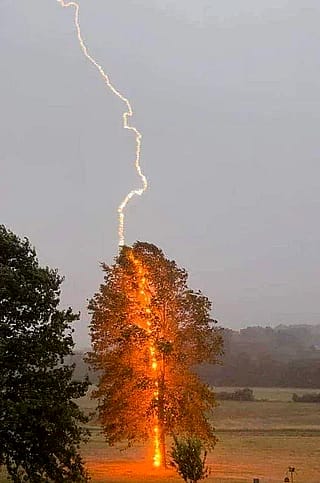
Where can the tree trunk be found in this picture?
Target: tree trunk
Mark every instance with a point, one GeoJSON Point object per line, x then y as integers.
{"type": "Point", "coordinates": [161, 415]}
{"type": "Point", "coordinates": [163, 447]}
{"type": "Point", "coordinates": [161, 401]}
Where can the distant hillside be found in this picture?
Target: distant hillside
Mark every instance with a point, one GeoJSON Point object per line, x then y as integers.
{"type": "Point", "coordinates": [284, 356]}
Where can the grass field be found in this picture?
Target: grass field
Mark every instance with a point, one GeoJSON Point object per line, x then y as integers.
{"type": "Point", "coordinates": [239, 456]}
{"type": "Point", "coordinates": [256, 439]}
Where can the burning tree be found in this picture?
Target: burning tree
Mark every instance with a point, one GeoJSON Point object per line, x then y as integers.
{"type": "Point", "coordinates": [149, 331]}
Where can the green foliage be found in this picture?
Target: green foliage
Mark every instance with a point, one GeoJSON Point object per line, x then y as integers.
{"type": "Point", "coordinates": [188, 457]}
{"type": "Point", "coordinates": [40, 430]}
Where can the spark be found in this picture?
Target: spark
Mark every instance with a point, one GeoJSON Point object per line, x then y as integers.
{"type": "Point", "coordinates": [126, 115]}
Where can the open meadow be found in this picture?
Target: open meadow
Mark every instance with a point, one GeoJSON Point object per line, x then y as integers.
{"type": "Point", "coordinates": [256, 439]}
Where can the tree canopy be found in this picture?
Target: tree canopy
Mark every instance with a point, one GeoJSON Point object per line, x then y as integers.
{"type": "Point", "coordinates": [40, 430]}
{"type": "Point", "coordinates": [149, 332]}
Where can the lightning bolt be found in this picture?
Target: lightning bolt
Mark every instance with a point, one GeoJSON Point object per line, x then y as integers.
{"type": "Point", "coordinates": [126, 116]}
{"type": "Point", "coordinates": [144, 296]}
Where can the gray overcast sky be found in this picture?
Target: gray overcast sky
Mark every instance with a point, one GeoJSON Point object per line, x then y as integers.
{"type": "Point", "coordinates": [227, 95]}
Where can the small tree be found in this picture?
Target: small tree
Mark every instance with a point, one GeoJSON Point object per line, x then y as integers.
{"type": "Point", "coordinates": [149, 332]}
{"type": "Point", "coordinates": [40, 424]}
{"type": "Point", "coordinates": [188, 457]}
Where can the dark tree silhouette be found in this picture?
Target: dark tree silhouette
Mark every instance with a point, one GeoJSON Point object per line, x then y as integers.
{"type": "Point", "coordinates": [40, 430]}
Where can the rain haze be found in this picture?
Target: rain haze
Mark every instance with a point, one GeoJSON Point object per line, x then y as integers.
{"type": "Point", "coordinates": [227, 96]}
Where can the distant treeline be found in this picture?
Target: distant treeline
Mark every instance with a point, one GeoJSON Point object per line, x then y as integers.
{"type": "Point", "coordinates": [285, 356]}
{"type": "Point", "coordinates": [245, 394]}
{"type": "Point", "coordinates": [307, 398]}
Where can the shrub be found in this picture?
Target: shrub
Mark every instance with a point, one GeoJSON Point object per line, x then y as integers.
{"type": "Point", "coordinates": [245, 394]}
{"type": "Point", "coordinates": [187, 459]}
{"type": "Point", "coordinates": [311, 397]}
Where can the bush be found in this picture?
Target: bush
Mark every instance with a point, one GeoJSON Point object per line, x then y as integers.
{"type": "Point", "coordinates": [187, 459]}
{"type": "Point", "coordinates": [311, 397]}
{"type": "Point", "coordinates": [245, 394]}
